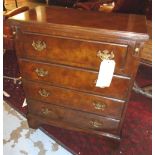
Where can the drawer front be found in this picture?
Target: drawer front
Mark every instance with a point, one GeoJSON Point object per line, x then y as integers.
{"type": "Point", "coordinates": [73, 78]}
{"type": "Point", "coordinates": [72, 117]}
{"type": "Point", "coordinates": [73, 99]}
{"type": "Point", "coordinates": [71, 52]}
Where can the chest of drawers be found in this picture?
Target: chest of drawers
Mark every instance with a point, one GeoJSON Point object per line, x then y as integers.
{"type": "Point", "coordinates": [59, 53]}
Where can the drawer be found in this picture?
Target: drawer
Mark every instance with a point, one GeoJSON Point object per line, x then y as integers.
{"type": "Point", "coordinates": [73, 78]}
{"type": "Point", "coordinates": [73, 99]}
{"type": "Point", "coordinates": [72, 117]}
{"type": "Point", "coordinates": [72, 52]}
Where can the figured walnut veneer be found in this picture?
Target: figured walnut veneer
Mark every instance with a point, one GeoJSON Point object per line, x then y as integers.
{"type": "Point", "coordinates": [58, 54]}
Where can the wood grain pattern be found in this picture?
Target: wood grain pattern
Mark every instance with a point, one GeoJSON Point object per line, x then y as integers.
{"type": "Point", "coordinates": [74, 78]}
{"type": "Point", "coordinates": [74, 52]}
{"type": "Point", "coordinates": [77, 52]}
{"type": "Point", "coordinates": [35, 121]}
{"type": "Point", "coordinates": [74, 99]}
{"type": "Point", "coordinates": [59, 78]}
{"type": "Point", "coordinates": [75, 118]}
{"type": "Point", "coordinates": [126, 25]}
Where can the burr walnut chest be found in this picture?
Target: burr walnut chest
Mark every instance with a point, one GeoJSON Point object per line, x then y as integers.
{"type": "Point", "coordinates": [59, 52]}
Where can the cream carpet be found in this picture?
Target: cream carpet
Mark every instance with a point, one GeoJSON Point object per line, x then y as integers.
{"type": "Point", "coordinates": [19, 139]}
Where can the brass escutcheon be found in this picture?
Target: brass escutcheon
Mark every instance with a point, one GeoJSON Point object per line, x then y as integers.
{"type": "Point", "coordinates": [96, 124]}
{"type": "Point", "coordinates": [99, 106]}
{"type": "Point", "coordinates": [39, 45]}
{"type": "Point", "coordinates": [105, 55]}
{"type": "Point", "coordinates": [41, 72]}
{"type": "Point", "coordinates": [43, 93]}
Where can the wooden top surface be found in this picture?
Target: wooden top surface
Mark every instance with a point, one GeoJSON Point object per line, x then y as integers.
{"type": "Point", "coordinates": [127, 24]}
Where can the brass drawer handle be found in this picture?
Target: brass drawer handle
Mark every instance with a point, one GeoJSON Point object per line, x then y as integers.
{"type": "Point", "coordinates": [96, 124]}
{"type": "Point", "coordinates": [41, 72]}
{"type": "Point", "coordinates": [137, 50]}
{"type": "Point", "coordinates": [45, 111]}
{"type": "Point", "coordinates": [50, 112]}
{"type": "Point", "coordinates": [43, 93]}
{"type": "Point", "coordinates": [99, 106]}
{"type": "Point", "coordinates": [105, 55]}
{"type": "Point", "coordinates": [39, 45]}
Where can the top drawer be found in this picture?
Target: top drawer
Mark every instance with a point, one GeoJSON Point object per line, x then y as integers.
{"type": "Point", "coordinates": [80, 53]}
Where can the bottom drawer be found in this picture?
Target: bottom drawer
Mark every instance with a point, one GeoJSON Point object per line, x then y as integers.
{"type": "Point", "coordinates": [73, 118]}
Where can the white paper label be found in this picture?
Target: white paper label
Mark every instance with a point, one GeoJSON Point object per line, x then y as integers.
{"type": "Point", "coordinates": [105, 73]}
